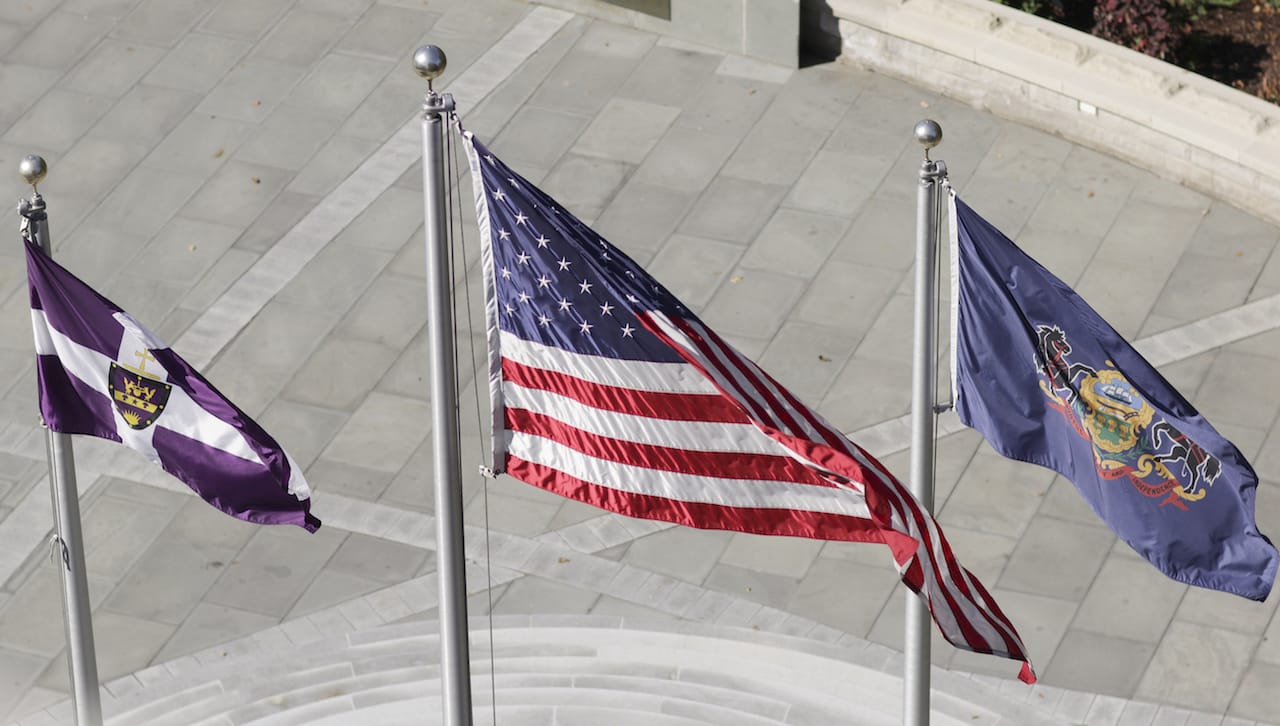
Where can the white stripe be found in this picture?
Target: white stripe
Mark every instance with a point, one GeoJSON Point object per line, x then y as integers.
{"type": "Point", "coordinates": [953, 234]}
{"type": "Point", "coordinates": [181, 415]}
{"type": "Point", "coordinates": [40, 328]}
{"type": "Point", "coordinates": [492, 332]}
{"type": "Point", "coordinates": [726, 379]}
{"type": "Point", "coordinates": [686, 487]}
{"type": "Point", "coordinates": [632, 374]}
{"type": "Point", "coordinates": [932, 576]}
{"type": "Point", "coordinates": [744, 438]}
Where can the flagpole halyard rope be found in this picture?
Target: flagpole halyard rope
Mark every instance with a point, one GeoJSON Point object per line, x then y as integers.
{"type": "Point", "coordinates": [458, 242]}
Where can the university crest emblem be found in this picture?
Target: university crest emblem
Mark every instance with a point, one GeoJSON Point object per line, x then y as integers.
{"type": "Point", "coordinates": [139, 399]}
{"type": "Point", "coordinates": [1129, 440]}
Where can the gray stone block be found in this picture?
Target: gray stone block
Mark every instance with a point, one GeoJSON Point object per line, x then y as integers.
{"type": "Point", "coordinates": [683, 553]}
{"type": "Point", "coordinates": [273, 357]}
{"type": "Point", "coordinates": [236, 194]}
{"type": "Point", "coordinates": [185, 249]}
{"type": "Point", "coordinates": [162, 22]}
{"type": "Point", "coordinates": [244, 19]}
{"type": "Point", "coordinates": [795, 242]}
{"type": "Point", "coordinates": [197, 63]}
{"type": "Point", "coordinates": [1130, 599]}
{"type": "Point", "coordinates": [28, 14]}
{"type": "Point", "coordinates": [1213, 659]}
{"type": "Point", "coordinates": [585, 186]}
{"type": "Point", "coordinates": [122, 644]}
{"type": "Point", "coordinates": [535, 595]}
{"type": "Point", "coordinates": [626, 130]}
{"type": "Point", "coordinates": [374, 558]}
{"type": "Point", "coordinates": [685, 159]}
{"type": "Point", "coordinates": [753, 304]}
{"type": "Point", "coordinates": [144, 114]}
{"type": "Point", "coordinates": [771, 30]}
{"type": "Point", "coordinates": [383, 314]}
{"type": "Point", "coordinates": [540, 139]}
{"type": "Point", "coordinates": [289, 138]}
{"type": "Point", "coordinates": [1018, 487]}
{"type": "Point", "coordinates": [88, 171]}
{"type": "Point", "coordinates": [57, 120]}
{"type": "Point", "coordinates": [302, 37]}
{"type": "Point", "coordinates": [1057, 558]}
{"type": "Point", "coordinates": [339, 83]}
{"type": "Point", "coordinates": [843, 594]}
{"type": "Point", "coordinates": [328, 590]}
{"type": "Point", "coordinates": [302, 430]}
{"type": "Point", "coordinates": [349, 9]}
{"type": "Point", "coordinates": [387, 31]}
{"type": "Point", "coordinates": [251, 90]}
{"type": "Point", "coordinates": [58, 41]}
{"type": "Point", "coordinates": [1108, 665]}
{"type": "Point", "coordinates": [199, 145]}
{"type": "Point", "coordinates": [847, 296]}
{"type": "Point", "coordinates": [806, 358]}
{"type": "Point", "coordinates": [112, 68]}
{"type": "Point", "coordinates": [867, 391]}
{"type": "Point", "coordinates": [733, 210]}
{"type": "Point", "coordinates": [330, 164]}
{"type": "Point", "coordinates": [340, 373]}
{"type": "Point", "coordinates": [640, 218]}
{"type": "Point", "coordinates": [274, 569]}
{"type": "Point", "coordinates": [669, 75]}
{"type": "Point", "coordinates": [24, 86]}
{"type": "Point", "coordinates": [1256, 697]}
{"type": "Point", "coordinates": [882, 235]}
{"type": "Point", "coordinates": [837, 183]}
{"type": "Point", "coordinates": [727, 105]}
{"type": "Point", "coordinates": [212, 625]}
{"type": "Point", "coordinates": [161, 192]}
{"type": "Point", "coordinates": [382, 433]}
{"type": "Point", "coordinates": [116, 530]}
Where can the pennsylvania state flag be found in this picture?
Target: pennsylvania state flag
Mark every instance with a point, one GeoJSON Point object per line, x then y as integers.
{"type": "Point", "coordinates": [1048, 381]}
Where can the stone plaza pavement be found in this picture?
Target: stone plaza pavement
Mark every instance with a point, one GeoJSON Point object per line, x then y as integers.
{"type": "Point", "coordinates": [243, 177]}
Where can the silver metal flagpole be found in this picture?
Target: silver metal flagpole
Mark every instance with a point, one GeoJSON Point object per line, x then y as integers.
{"type": "Point", "coordinates": [455, 659]}
{"type": "Point", "coordinates": [82, 663]}
{"type": "Point", "coordinates": [915, 677]}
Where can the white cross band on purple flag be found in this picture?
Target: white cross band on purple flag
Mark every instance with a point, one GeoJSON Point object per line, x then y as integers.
{"type": "Point", "coordinates": [101, 373]}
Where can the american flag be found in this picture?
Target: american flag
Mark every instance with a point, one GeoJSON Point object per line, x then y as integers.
{"type": "Point", "coordinates": [608, 390]}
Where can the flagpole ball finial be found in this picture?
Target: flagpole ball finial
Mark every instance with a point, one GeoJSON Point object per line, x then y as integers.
{"type": "Point", "coordinates": [429, 61]}
{"type": "Point", "coordinates": [33, 168]}
{"type": "Point", "coordinates": [928, 134]}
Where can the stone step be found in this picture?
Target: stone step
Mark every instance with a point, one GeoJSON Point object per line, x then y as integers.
{"type": "Point", "coordinates": [555, 671]}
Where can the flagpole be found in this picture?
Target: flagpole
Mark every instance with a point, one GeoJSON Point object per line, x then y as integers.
{"type": "Point", "coordinates": [923, 413]}
{"type": "Point", "coordinates": [82, 663]}
{"type": "Point", "coordinates": [455, 660]}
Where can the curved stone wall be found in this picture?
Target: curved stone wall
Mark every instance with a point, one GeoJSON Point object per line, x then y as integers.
{"type": "Point", "coordinates": [1175, 123]}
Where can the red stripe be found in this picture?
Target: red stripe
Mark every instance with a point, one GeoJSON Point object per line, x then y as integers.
{"type": "Point", "coordinates": [871, 480]}
{"type": "Point", "coordinates": [719, 464]}
{"type": "Point", "coordinates": [710, 408]}
{"type": "Point", "coordinates": [752, 520]}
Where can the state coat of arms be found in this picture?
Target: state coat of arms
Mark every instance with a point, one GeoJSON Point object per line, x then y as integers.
{"type": "Point", "coordinates": [1129, 441]}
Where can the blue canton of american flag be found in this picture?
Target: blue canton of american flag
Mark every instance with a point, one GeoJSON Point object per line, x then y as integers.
{"type": "Point", "coordinates": [606, 389]}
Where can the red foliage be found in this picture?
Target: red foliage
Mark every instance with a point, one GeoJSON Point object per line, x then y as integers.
{"type": "Point", "coordinates": [1142, 25]}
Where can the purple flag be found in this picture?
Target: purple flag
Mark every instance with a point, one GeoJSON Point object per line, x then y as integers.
{"type": "Point", "coordinates": [103, 374]}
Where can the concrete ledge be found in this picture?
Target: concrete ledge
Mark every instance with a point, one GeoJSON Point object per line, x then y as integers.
{"type": "Point", "coordinates": [1154, 115]}
{"type": "Point", "coordinates": [767, 30]}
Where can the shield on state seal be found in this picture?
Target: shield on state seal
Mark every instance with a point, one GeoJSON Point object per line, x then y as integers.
{"type": "Point", "coordinates": [140, 400]}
